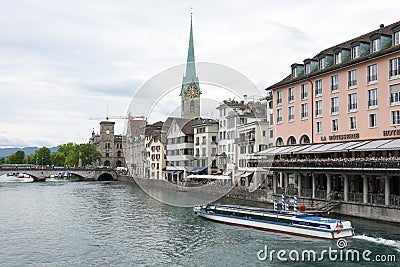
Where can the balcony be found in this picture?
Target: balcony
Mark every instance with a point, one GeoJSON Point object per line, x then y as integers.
{"type": "Point", "coordinates": [372, 103]}
{"type": "Point", "coordinates": [372, 78]}
{"type": "Point", "coordinates": [352, 83]}
{"type": "Point", "coordinates": [393, 73]}
{"type": "Point", "coordinates": [246, 139]}
{"type": "Point", "coordinates": [334, 88]}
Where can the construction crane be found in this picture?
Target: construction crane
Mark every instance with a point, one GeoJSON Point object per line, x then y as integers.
{"type": "Point", "coordinates": [128, 117]}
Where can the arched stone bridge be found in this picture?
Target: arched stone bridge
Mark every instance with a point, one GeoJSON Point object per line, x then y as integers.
{"type": "Point", "coordinates": [85, 174]}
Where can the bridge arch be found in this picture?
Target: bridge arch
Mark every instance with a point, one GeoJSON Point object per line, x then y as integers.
{"type": "Point", "coordinates": [105, 177]}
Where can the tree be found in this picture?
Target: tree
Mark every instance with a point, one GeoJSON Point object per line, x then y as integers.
{"type": "Point", "coordinates": [58, 158]}
{"type": "Point", "coordinates": [16, 158]}
{"type": "Point", "coordinates": [71, 151]}
{"type": "Point", "coordinates": [2, 160]}
{"type": "Point", "coordinates": [42, 156]}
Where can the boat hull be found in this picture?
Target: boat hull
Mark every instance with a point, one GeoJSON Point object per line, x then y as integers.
{"type": "Point", "coordinates": [277, 227]}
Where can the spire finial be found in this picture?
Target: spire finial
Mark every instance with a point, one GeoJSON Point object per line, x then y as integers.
{"type": "Point", "coordinates": [191, 11]}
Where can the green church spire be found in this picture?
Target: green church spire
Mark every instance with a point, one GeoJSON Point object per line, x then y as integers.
{"type": "Point", "coordinates": [190, 75]}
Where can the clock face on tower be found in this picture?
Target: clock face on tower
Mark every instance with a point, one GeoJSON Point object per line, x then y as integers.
{"type": "Point", "coordinates": [192, 91]}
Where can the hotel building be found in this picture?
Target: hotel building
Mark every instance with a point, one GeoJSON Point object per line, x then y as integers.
{"type": "Point", "coordinates": [337, 118]}
{"type": "Point", "coordinates": [347, 92]}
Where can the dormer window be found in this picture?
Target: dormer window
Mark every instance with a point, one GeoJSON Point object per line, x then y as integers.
{"type": "Point", "coordinates": [376, 45]}
{"type": "Point", "coordinates": [396, 38]}
{"type": "Point", "coordinates": [355, 52]}
{"type": "Point", "coordinates": [321, 63]}
{"type": "Point", "coordinates": [338, 57]}
{"type": "Point", "coordinates": [294, 72]}
{"type": "Point", "coordinates": [308, 68]}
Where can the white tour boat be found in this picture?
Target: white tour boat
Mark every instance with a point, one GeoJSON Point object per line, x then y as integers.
{"type": "Point", "coordinates": [279, 221]}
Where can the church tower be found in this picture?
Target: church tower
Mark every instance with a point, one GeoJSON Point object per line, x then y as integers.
{"type": "Point", "coordinates": [190, 92]}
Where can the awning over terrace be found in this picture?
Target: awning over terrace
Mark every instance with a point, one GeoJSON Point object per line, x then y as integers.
{"type": "Point", "coordinates": [369, 145]}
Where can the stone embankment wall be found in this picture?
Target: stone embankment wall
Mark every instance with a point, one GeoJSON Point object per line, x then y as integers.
{"type": "Point", "coordinates": [388, 214]}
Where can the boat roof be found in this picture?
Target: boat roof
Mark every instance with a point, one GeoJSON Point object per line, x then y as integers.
{"type": "Point", "coordinates": [284, 214]}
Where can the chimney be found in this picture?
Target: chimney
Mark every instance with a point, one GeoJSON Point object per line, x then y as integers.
{"type": "Point", "coordinates": [382, 26]}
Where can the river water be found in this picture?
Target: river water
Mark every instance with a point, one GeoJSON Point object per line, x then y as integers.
{"type": "Point", "coordinates": [116, 224]}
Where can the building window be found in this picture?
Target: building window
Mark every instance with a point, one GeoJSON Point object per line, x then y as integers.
{"type": "Point", "coordinates": [394, 67]}
{"type": "Point", "coordinates": [376, 45]}
{"type": "Point", "coordinates": [318, 108]}
{"type": "Point", "coordinates": [291, 140]}
{"type": "Point", "coordinates": [279, 116]}
{"type": "Point", "coordinates": [321, 63]}
{"type": "Point", "coordinates": [394, 94]}
{"type": "Point", "coordinates": [242, 149]}
{"type": "Point", "coordinates": [291, 113]}
{"type": "Point", "coordinates": [291, 94]}
{"type": "Point", "coordinates": [334, 105]}
{"type": "Point", "coordinates": [279, 97]}
{"type": "Point", "coordinates": [355, 52]}
{"type": "Point", "coordinates": [396, 117]}
{"type": "Point", "coordinates": [335, 125]}
{"type": "Point", "coordinates": [352, 101]}
{"type": "Point", "coordinates": [319, 127]}
{"type": "Point", "coordinates": [352, 78]}
{"type": "Point", "coordinates": [318, 87]}
{"type": "Point", "coordinates": [338, 57]}
{"type": "Point", "coordinates": [372, 73]}
{"type": "Point", "coordinates": [334, 83]}
{"type": "Point", "coordinates": [308, 68]}
{"type": "Point", "coordinates": [304, 111]}
{"type": "Point", "coordinates": [396, 38]}
{"type": "Point", "coordinates": [304, 91]}
{"type": "Point", "coordinates": [353, 123]}
{"type": "Point", "coordinates": [294, 72]}
{"type": "Point", "coordinates": [373, 98]}
{"type": "Point", "coordinates": [372, 120]}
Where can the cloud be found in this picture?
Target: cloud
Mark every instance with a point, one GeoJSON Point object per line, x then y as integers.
{"type": "Point", "coordinates": [65, 61]}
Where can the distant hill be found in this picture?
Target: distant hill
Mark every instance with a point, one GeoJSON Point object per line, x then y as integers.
{"type": "Point", "coordinates": [5, 152]}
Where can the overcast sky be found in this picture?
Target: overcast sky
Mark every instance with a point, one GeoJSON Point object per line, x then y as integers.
{"type": "Point", "coordinates": [63, 62]}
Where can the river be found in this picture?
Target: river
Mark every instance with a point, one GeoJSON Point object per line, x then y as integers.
{"type": "Point", "coordinates": [60, 223]}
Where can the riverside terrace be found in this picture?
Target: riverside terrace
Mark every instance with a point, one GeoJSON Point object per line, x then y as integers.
{"type": "Point", "coordinates": [361, 172]}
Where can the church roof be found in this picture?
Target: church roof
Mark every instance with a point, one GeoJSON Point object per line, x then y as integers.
{"type": "Point", "coordinates": [190, 74]}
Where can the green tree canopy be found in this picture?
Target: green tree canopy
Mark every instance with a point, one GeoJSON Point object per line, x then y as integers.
{"type": "Point", "coordinates": [71, 151]}
{"type": "Point", "coordinates": [16, 158]}
{"type": "Point", "coordinates": [58, 158]}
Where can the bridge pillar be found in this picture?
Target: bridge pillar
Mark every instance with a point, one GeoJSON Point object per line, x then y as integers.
{"type": "Point", "coordinates": [365, 188]}
{"type": "Point", "coordinates": [387, 190]}
{"type": "Point", "coordinates": [346, 187]}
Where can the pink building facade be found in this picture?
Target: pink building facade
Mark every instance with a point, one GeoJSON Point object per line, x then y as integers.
{"type": "Point", "coordinates": [349, 92]}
